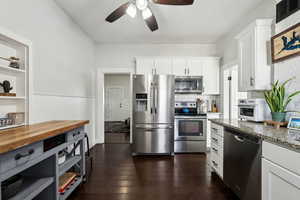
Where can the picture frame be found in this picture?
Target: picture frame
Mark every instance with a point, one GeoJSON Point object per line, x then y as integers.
{"type": "Point", "coordinates": [294, 123]}
{"type": "Point", "coordinates": [286, 44]}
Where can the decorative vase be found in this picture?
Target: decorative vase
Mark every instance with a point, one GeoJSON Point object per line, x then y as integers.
{"type": "Point", "coordinates": [278, 116]}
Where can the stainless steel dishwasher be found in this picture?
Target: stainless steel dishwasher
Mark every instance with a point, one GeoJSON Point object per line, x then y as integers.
{"type": "Point", "coordinates": [242, 164]}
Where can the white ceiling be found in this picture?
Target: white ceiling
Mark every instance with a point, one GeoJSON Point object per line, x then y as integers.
{"type": "Point", "coordinates": [204, 22]}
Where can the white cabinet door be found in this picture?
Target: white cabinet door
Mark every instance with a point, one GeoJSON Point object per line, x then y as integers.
{"type": "Point", "coordinates": [279, 183]}
{"type": "Point", "coordinates": [211, 77]}
{"type": "Point", "coordinates": [195, 67]}
{"type": "Point", "coordinates": [163, 66]}
{"type": "Point", "coordinates": [254, 68]}
{"type": "Point", "coordinates": [145, 66]}
{"type": "Point", "coordinates": [180, 67]}
{"type": "Point", "coordinates": [246, 62]}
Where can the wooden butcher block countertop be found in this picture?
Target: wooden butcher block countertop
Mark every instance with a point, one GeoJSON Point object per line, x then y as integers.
{"type": "Point", "coordinates": [15, 138]}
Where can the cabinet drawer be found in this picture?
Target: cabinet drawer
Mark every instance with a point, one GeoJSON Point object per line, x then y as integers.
{"type": "Point", "coordinates": [75, 135]}
{"type": "Point", "coordinates": [284, 157]}
{"type": "Point", "coordinates": [216, 139]}
{"type": "Point", "coordinates": [20, 156]}
{"type": "Point", "coordinates": [217, 129]}
{"type": "Point", "coordinates": [214, 161]}
{"type": "Point", "coordinates": [216, 149]}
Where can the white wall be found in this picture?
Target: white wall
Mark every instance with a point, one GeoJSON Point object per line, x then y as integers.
{"type": "Point", "coordinates": [119, 81]}
{"type": "Point", "coordinates": [63, 60]}
{"type": "Point", "coordinates": [289, 68]}
{"type": "Point", "coordinates": [122, 55]}
{"type": "Point", "coordinates": [227, 47]}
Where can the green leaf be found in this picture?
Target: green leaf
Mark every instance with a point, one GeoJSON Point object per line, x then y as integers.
{"type": "Point", "coordinates": [276, 97]}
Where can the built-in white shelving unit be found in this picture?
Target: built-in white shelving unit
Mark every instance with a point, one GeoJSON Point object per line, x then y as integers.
{"type": "Point", "coordinates": [12, 45]}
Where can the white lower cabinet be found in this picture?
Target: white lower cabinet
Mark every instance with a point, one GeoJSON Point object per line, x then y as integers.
{"type": "Point", "coordinates": [217, 146]}
{"type": "Point", "coordinates": [279, 183]}
{"type": "Point", "coordinates": [280, 173]}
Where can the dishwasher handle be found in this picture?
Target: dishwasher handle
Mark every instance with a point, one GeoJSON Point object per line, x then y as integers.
{"type": "Point", "coordinates": [239, 138]}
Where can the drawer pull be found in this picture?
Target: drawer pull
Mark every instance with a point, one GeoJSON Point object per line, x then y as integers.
{"type": "Point", "coordinates": [215, 139]}
{"type": "Point", "coordinates": [216, 150]}
{"type": "Point", "coordinates": [214, 129]}
{"type": "Point", "coordinates": [19, 155]}
{"type": "Point", "coordinates": [215, 164]}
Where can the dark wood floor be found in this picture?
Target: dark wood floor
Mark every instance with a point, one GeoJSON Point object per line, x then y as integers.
{"type": "Point", "coordinates": [118, 176]}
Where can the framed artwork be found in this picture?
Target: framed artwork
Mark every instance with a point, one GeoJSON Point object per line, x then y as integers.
{"type": "Point", "coordinates": [294, 123]}
{"type": "Point", "coordinates": [286, 44]}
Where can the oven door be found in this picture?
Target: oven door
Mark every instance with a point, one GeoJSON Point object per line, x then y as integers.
{"type": "Point", "coordinates": [192, 129]}
{"type": "Point", "coordinates": [247, 112]}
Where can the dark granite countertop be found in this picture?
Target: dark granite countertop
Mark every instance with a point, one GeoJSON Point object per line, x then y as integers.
{"type": "Point", "coordinates": [282, 136]}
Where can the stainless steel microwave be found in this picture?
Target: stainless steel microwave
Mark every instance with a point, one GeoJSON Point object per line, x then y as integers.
{"type": "Point", "coordinates": [191, 84]}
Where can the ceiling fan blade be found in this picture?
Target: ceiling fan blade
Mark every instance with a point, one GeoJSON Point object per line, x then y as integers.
{"type": "Point", "coordinates": [174, 2]}
{"type": "Point", "coordinates": [152, 23]}
{"type": "Point", "coordinates": [118, 13]}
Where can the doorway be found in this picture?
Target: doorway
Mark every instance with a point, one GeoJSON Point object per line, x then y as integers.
{"type": "Point", "coordinates": [117, 108]}
{"type": "Point", "coordinates": [231, 92]}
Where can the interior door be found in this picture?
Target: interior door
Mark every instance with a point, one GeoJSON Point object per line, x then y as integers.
{"type": "Point", "coordinates": [116, 106]}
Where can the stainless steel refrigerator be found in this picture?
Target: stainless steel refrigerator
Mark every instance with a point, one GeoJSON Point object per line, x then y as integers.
{"type": "Point", "coordinates": [153, 114]}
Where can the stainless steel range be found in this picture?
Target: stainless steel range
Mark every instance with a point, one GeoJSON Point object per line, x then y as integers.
{"type": "Point", "coordinates": [190, 128]}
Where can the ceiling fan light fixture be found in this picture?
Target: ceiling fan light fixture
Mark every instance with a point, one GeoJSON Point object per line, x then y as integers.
{"type": "Point", "coordinates": [146, 13]}
{"type": "Point", "coordinates": [131, 10]}
{"type": "Point", "coordinates": [141, 4]}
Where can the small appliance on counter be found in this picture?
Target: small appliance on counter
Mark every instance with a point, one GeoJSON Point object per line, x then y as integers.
{"type": "Point", "coordinates": [190, 128]}
{"type": "Point", "coordinates": [255, 110]}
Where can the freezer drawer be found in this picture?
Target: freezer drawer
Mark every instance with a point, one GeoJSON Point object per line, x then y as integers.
{"type": "Point", "coordinates": [190, 146]}
{"type": "Point", "coordinates": [153, 140]}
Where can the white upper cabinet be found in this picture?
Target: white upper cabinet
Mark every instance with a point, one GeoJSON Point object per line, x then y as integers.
{"type": "Point", "coordinates": [187, 66]}
{"type": "Point", "coordinates": [163, 66]}
{"type": "Point", "coordinates": [195, 67]}
{"type": "Point", "coordinates": [148, 65]}
{"type": "Point", "coordinates": [254, 56]}
{"type": "Point", "coordinates": [180, 66]}
{"type": "Point", "coordinates": [207, 67]}
{"type": "Point", "coordinates": [145, 66]}
{"type": "Point", "coordinates": [211, 76]}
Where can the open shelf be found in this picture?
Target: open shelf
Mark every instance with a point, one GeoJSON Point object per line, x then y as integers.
{"type": "Point", "coordinates": [11, 126]}
{"type": "Point", "coordinates": [10, 70]}
{"type": "Point", "coordinates": [68, 164]}
{"type": "Point", "coordinates": [31, 187]}
{"type": "Point", "coordinates": [12, 98]}
{"type": "Point", "coordinates": [70, 189]}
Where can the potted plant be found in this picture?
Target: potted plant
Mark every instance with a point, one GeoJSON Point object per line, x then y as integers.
{"type": "Point", "coordinates": [278, 101]}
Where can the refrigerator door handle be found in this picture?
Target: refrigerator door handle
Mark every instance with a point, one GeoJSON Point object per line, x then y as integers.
{"type": "Point", "coordinates": [151, 99]}
{"type": "Point", "coordinates": [155, 100]}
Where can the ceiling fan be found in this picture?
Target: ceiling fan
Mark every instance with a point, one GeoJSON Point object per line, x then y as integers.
{"type": "Point", "coordinates": [130, 8]}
